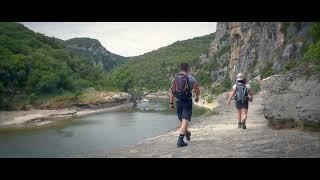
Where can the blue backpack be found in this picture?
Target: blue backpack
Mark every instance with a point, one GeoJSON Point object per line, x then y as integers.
{"type": "Point", "coordinates": [241, 93]}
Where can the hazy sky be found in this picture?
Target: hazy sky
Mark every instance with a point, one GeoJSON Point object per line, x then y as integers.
{"type": "Point", "coordinates": [126, 38]}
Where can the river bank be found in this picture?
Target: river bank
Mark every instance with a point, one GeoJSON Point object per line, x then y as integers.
{"type": "Point", "coordinates": [202, 101]}
{"type": "Point", "coordinates": [39, 117]}
{"type": "Point", "coordinates": [60, 108]}
{"type": "Point", "coordinates": [218, 136]}
{"type": "Point", "coordinates": [160, 94]}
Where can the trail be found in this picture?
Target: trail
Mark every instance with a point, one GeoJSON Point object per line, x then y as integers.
{"type": "Point", "coordinates": [218, 137]}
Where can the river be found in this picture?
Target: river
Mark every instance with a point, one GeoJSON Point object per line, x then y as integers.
{"type": "Point", "coordinates": [93, 133]}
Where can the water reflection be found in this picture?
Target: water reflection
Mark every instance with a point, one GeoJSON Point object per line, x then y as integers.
{"type": "Point", "coordinates": [64, 133]}
{"type": "Point", "coordinates": [125, 120]}
{"type": "Point", "coordinates": [91, 133]}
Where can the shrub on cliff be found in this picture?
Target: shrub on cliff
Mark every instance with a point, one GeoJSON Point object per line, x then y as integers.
{"type": "Point", "coordinates": [224, 86]}
{"type": "Point", "coordinates": [266, 71]}
{"type": "Point", "coordinates": [312, 54]}
{"type": "Point", "coordinates": [255, 86]}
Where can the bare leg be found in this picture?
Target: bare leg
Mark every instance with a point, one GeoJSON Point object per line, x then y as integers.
{"type": "Point", "coordinates": [183, 130]}
{"type": "Point", "coordinates": [187, 125]}
{"type": "Point", "coordinates": [239, 115]}
{"type": "Point", "coordinates": [239, 118]}
{"type": "Point", "coordinates": [244, 115]}
{"type": "Point", "coordinates": [244, 118]}
{"type": "Point", "coordinates": [179, 126]}
{"type": "Point", "coordinates": [184, 126]}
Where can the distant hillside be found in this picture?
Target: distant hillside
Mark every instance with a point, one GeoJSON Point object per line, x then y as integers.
{"type": "Point", "coordinates": [154, 70]}
{"type": "Point", "coordinates": [33, 65]}
{"type": "Point", "coordinates": [95, 52]}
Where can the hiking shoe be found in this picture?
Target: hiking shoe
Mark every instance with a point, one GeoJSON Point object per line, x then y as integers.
{"type": "Point", "coordinates": [181, 143]}
{"type": "Point", "coordinates": [244, 126]}
{"type": "Point", "coordinates": [239, 124]}
{"type": "Point", "coordinates": [188, 135]}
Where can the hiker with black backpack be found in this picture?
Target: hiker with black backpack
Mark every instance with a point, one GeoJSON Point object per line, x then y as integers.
{"type": "Point", "coordinates": [242, 94]}
{"type": "Point", "coordinates": [181, 88]}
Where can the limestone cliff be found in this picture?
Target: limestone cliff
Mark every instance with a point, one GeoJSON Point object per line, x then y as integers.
{"type": "Point", "coordinates": [273, 52]}
{"type": "Point", "coordinates": [255, 48]}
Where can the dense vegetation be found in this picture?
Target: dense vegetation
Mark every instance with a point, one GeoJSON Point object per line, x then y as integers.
{"type": "Point", "coordinates": [266, 71]}
{"type": "Point", "coordinates": [154, 70]}
{"type": "Point", "coordinates": [224, 86]}
{"type": "Point", "coordinates": [312, 54]}
{"type": "Point", "coordinates": [95, 53]}
{"type": "Point", "coordinates": [33, 65]}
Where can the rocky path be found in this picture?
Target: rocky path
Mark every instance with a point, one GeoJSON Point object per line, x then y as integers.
{"type": "Point", "coordinates": [218, 137]}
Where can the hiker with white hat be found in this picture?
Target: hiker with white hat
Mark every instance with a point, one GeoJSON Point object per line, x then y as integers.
{"type": "Point", "coordinates": [242, 94]}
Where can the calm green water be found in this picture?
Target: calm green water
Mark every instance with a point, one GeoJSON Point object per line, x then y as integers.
{"type": "Point", "coordinates": [94, 133]}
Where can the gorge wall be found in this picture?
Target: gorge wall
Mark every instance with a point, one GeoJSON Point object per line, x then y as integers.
{"type": "Point", "coordinates": [256, 48]}
{"type": "Point", "coordinates": [273, 53]}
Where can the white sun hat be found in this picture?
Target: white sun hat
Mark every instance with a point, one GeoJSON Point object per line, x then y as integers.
{"type": "Point", "coordinates": [240, 77]}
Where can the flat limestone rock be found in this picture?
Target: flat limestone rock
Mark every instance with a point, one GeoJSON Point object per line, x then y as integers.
{"type": "Point", "coordinates": [24, 119]}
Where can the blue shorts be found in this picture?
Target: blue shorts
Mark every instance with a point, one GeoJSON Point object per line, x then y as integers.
{"type": "Point", "coordinates": [184, 109]}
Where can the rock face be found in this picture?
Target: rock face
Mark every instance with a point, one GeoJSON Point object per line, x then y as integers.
{"type": "Point", "coordinates": [251, 47]}
{"type": "Point", "coordinates": [261, 49]}
{"type": "Point", "coordinates": [292, 100]}
{"type": "Point", "coordinates": [95, 52]}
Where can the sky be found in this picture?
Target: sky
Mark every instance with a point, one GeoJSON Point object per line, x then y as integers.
{"type": "Point", "coordinates": [126, 38]}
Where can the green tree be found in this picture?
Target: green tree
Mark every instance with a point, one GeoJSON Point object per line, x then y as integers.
{"type": "Point", "coordinates": [312, 55]}
{"type": "Point", "coordinates": [122, 79]}
{"type": "Point", "coordinates": [315, 31]}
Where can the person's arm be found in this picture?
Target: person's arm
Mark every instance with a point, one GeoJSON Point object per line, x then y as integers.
{"type": "Point", "coordinates": [231, 95]}
{"type": "Point", "coordinates": [171, 99]}
{"type": "Point", "coordinates": [251, 95]}
{"type": "Point", "coordinates": [195, 88]}
{"type": "Point", "coordinates": [197, 91]}
{"type": "Point", "coordinates": [171, 96]}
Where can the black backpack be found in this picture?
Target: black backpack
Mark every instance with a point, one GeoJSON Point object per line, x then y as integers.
{"type": "Point", "coordinates": [241, 93]}
{"type": "Point", "coordinates": [180, 87]}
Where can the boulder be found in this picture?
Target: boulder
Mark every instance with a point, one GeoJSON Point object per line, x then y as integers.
{"type": "Point", "coordinates": [292, 100]}
{"type": "Point", "coordinates": [309, 112]}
